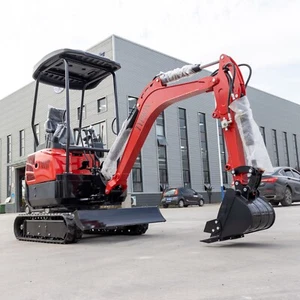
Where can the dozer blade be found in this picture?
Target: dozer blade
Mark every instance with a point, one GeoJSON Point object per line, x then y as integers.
{"type": "Point", "coordinates": [238, 216]}
{"type": "Point", "coordinates": [113, 218]}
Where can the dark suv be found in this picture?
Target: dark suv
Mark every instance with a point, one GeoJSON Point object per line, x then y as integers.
{"type": "Point", "coordinates": [182, 197]}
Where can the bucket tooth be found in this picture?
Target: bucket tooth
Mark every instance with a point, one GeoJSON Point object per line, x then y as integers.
{"type": "Point", "coordinates": [238, 216]}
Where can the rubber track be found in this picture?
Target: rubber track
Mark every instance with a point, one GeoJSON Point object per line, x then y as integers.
{"type": "Point", "coordinates": [74, 233]}
{"type": "Point", "coordinates": [70, 237]}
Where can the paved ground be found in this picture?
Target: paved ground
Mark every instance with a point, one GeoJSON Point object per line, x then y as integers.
{"type": "Point", "coordinates": [168, 262]}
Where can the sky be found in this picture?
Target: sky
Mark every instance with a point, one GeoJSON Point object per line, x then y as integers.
{"type": "Point", "coordinates": [262, 33]}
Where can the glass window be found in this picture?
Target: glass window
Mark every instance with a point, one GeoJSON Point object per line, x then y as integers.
{"type": "Point", "coordinates": [9, 181]}
{"type": "Point", "coordinates": [101, 105]}
{"type": "Point", "coordinates": [183, 133]}
{"type": "Point", "coordinates": [162, 152]}
{"type": "Point", "coordinates": [22, 142]}
{"type": "Point", "coordinates": [171, 192]}
{"type": "Point", "coordinates": [286, 149]}
{"type": "Point", "coordinates": [275, 148]}
{"type": "Point", "coordinates": [101, 133]}
{"type": "Point", "coordinates": [163, 176]}
{"type": "Point", "coordinates": [131, 103]}
{"type": "Point", "coordinates": [296, 174]}
{"type": "Point", "coordinates": [160, 130]}
{"type": "Point", "coordinates": [186, 178]}
{"type": "Point", "coordinates": [37, 131]}
{"type": "Point", "coordinates": [262, 131]}
{"type": "Point", "coordinates": [295, 146]}
{"type": "Point", "coordinates": [162, 164]}
{"type": "Point", "coordinates": [161, 119]}
{"type": "Point", "coordinates": [9, 156]}
{"type": "Point", "coordinates": [83, 112]}
{"type": "Point", "coordinates": [182, 123]}
{"type": "Point", "coordinates": [288, 173]}
{"type": "Point", "coordinates": [204, 148]}
{"type": "Point", "coordinates": [206, 176]}
{"type": "Point", "coordinates": [161, 141]}
{"type": "Point", "coordinates": [137, 178]}
{"type": "Point", "coordinates": [189, 192]}
{"type": "Point", "coordinates": [184, 145]}
{"type": "Point", "coordinates": [185, 164]}
{"type": "Point", "coordinates": [99, 130]}
{"type": "Point", "coordinates": [222, 152]}
{"type": "Point", "coordinates": [182, 114]}
{"type": "Point", "coordinates": [184, 148]}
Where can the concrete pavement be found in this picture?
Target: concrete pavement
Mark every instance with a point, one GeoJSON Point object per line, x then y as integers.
{"type": "Point", "coordinates": [168, 262]}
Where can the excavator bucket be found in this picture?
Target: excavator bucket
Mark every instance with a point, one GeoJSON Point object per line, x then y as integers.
{"type": "Point", "coordinates": [238, 216]}
{"type": "Point", "coordinates": [117, 219]}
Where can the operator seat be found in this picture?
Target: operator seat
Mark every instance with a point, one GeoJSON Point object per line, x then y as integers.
{"type": "Point", "coordinates": [56, 129]}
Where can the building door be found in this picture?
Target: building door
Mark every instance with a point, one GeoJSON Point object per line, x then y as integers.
{"type": "Point", "coordinates": [20, 189]}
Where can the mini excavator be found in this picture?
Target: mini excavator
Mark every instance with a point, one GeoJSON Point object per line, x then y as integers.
{"type": "Point", "coordinates": [72, 188]}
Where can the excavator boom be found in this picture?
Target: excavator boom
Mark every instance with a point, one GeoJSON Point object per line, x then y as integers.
{"type": "Point", "coordinates": [157, 96]}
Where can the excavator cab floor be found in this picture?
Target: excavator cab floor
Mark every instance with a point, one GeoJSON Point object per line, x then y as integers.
{"type": "Point", "coordinates": [88, 220]}
{"type": "Point", "coordinates": [238, 216]}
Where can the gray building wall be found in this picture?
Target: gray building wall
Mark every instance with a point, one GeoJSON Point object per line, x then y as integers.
{"type": "Point", "coordinates": [276, 113]}
{"type": "Point", "coordinates": [139, 66]}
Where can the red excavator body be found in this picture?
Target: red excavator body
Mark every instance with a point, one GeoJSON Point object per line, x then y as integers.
{"type": "Point", "coordinates": [73, 189]}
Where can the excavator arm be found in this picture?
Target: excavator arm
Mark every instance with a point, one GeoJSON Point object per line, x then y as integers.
{"type": "Point", "coordinates": [241, 211]}
{"type": "Point", "coordinates": [158, 95]}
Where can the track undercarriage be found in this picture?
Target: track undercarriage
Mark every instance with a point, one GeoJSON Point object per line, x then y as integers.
{"type": "Point", "coordinates": [58, 228]}
{"type": "Point", "coordinates": [67, 228]}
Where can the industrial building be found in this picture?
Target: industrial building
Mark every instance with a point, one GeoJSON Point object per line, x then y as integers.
{"type": "Point", "coordinates": [185, 146]}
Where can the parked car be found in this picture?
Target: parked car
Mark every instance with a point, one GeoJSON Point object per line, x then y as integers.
{"type": "Point", "coordinates": [182, 197]}
{"type": "Point", "coordinates": [281, 186]}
